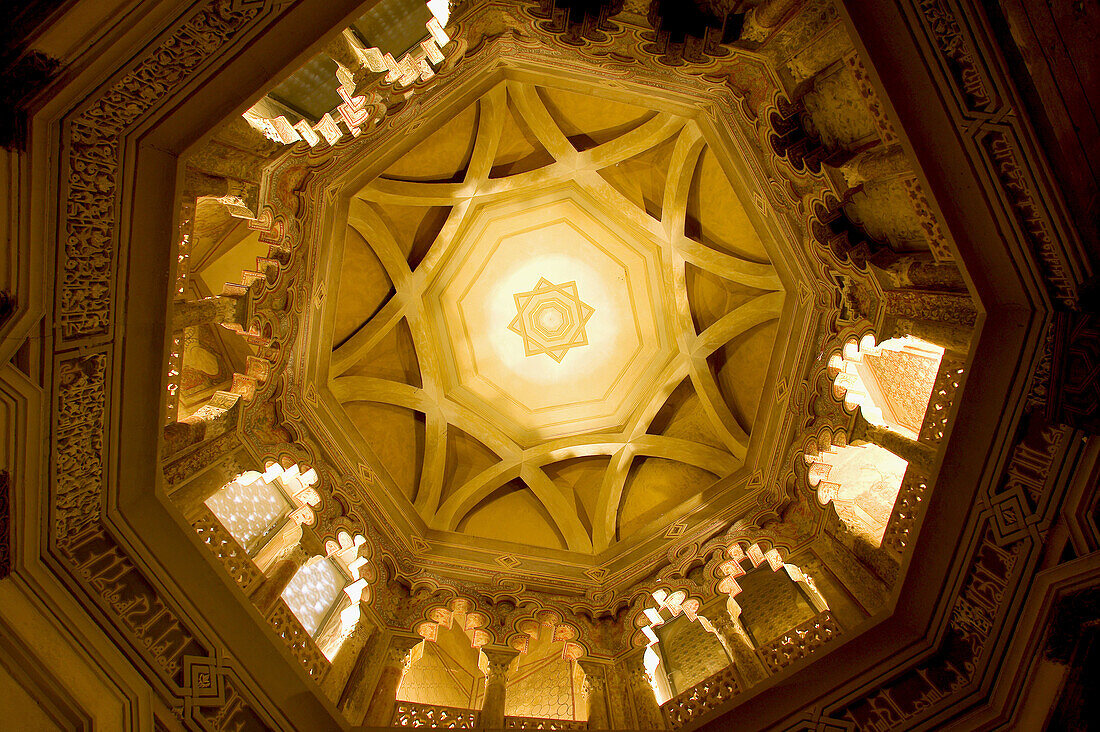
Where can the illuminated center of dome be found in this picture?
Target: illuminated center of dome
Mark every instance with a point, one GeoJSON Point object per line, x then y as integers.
{"type": "Point", "coordinates": [551, 318]}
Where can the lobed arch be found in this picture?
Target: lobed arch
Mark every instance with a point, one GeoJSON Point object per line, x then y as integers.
{"type": "Point", "coordinates": [545, 681]}
{"type": "Point", "coordinates": [668, 616]}
{"type": "Point", "coordinates": [890, 382]}
{"type": "Point", "coordinates": [761, 621]}
{"type": "Point", "coordinates": [447, 668]}
{"type": "Point", "coordinates": [353, 554]}
{"type": "Point", "coordinates": [891, 385]}
{"type": "Point", "coordinates": [253, 506]}
{"type": "Point", "coordinates": [267, 514]}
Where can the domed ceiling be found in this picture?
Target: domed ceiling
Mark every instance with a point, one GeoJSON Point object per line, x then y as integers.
{"type": "Point", "coordinates": [548, 313]}
{"type": "Point", "coordinates": [553, 322]}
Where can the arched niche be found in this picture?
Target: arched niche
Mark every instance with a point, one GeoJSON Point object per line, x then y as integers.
{"type": "Point", "coordinates": [862, 482]}
{"type": "Point", "coordinates": [769, 597]}
{"type": "Point", "coordinates": [683, 646]}
{"type": "Point", "coordinates": [545, 681]}
{"type": "Point", "coordinates": [446, 669]}
{"type": "Point", "coordinates": [891, 382]}
{"type": "Point", "coordinates": [689, 653]}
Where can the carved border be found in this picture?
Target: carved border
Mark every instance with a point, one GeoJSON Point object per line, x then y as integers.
{"type": "Point", "coordinates": [1013, 515]}
{"type": "Point", "coordinates": [188, 670]}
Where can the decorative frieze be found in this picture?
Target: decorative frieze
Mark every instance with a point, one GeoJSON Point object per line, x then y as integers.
{"type": "Point", "coordinates": [937, 241]}
{"type": "Point", "coordinates": [86, 271]}
{"type": "Point", "coordinates": [123, 591]}
{"type": "Point", "coordinates": [1030, 214]}
{"type": "Point", "coordinates": [78, 443]}
{"type": "Point", "coordinates": [957, 53]}
{"type": "Point", "coordinates": [925, 687]}
{"type": "Point", "coordinates": [542, 723]}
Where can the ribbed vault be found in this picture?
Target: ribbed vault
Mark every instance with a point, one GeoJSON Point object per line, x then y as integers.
{"type": "Point", "coordinates": [580, 453]}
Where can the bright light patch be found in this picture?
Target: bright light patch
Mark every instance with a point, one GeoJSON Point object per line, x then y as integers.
{"type": "Point", "coordinates": [311, 593]}
{"type": "Point", "coordinates": [248, 511]}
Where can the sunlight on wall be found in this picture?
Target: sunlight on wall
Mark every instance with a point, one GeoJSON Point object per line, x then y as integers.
{"type": "Point", "coordinates": [890, 382]}
{"type": "Point", "coordinates": [863, 482]}
{"type": "Point", "coordinates": [312, 591]}
{"type": "Point", "coordinates": [248, 511]}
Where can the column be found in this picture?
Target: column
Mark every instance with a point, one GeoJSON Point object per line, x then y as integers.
{"type": "Point", "coordinates": [217, 309]}
{"type": "Point", "coordinates": [384, 697]}
{"type": "Point", "coordinates": [917, 454]}
{"type": "Point", "coordinates": [865, 582]}
{"type": "Point", "coordinates": [921, 272]}
{"type": "Point", "coordinates": [282, 571]}
{"type": "Point", "coordinates": [740, 647]}
{"type": "Point", "coordinates": [217, 417]}
{"type": "Point", "coordinates": [347, 658]}
{"type": "Point", "coordinates": [948, 336]}
{"type": "Point", "coordinates": [647, 713]}
{"type": "Point", "coordinates": [492, 712]}
{"type": "Point", "coordinates": [595, 684]}
{"type": "Point", "coordinates": [343, 51]}
{"type": "Point", "coordinates": [357, 690]}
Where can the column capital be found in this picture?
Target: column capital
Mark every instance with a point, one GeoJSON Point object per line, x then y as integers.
{"type": "Point", "coordinates": [723, 622]}
{"type": "Point", "coordinates": [398, 650]}
{"type": "Point", "coordinates": [593, 667]}
{"type": "Point", "coordinates": [499, 657]}
{"type": "Point", "coordinates": [294, 553]}
{"type": "Point", "coordinates": [361, 631]}
{"type": "Point", "coordinates": [638, 678]}
{"type": "Point", "coordinates": [594, 683]}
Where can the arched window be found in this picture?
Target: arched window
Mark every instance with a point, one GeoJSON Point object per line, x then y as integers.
{"type": "Point", "coordinates": [545, 681]}
{"type": "Point", "coordinates": [771, 604]}
{"type": "Point", "coordinates": [315, 592]}
{"type": "Point", "coordinates": [863, 482]}
{"type": "Point", "coordinates": [890, 382]}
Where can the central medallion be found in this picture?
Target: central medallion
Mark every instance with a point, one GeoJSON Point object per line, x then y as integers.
{"type": "Point", "coordinates": [551, 318]}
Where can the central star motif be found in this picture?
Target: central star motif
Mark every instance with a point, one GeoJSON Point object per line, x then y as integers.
{"type": "Point", "coordinates": [551, 319]}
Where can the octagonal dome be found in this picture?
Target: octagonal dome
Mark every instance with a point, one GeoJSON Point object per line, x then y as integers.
{"type": "Point", "coordinates": [550, 311]}
{"type": "Point", "coordinates": [553, 323]}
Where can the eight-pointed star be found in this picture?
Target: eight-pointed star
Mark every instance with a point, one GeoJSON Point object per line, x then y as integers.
{"type": "Point", "coordinates": [551, 319]}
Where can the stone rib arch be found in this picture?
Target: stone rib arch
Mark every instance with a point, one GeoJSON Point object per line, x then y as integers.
{"type": "Point", "coordinates": [451, 396]}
